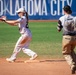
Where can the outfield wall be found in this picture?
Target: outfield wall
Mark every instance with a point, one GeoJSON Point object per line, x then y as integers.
{"type": "Point", "coordinates": [37, 9]}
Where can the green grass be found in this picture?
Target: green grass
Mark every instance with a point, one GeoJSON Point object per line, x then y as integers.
{"type": "Point", "coordinates": [46, 40]}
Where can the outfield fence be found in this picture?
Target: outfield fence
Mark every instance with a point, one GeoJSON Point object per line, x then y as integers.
{"type": "Point", "coordinates": [37, 9]}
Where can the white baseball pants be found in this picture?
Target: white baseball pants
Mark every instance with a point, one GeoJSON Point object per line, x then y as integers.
{"type": "Point", "coordinates": [22, 44]}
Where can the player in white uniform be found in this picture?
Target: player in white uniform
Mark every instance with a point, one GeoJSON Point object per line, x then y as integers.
{"type": "Point", "coordinates": [26, 36]}
{"type": "Point", "coordinates": [67, 23]}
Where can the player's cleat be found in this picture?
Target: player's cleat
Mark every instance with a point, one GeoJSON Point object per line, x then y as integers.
{"type": "Point", "coordinates": [10, 60]}
{"type": "Point", "coordinates": [73, 70]}
{"type": "Point", "coordinates": [34, 57]}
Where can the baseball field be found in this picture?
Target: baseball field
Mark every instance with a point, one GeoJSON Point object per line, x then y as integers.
{"type": "Point", "coordinates": [46, 42]}
{"type": "Point", "coordinates": [46, 39]}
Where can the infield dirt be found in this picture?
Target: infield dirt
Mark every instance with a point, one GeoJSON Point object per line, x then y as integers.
{"type": "Point", "coordinates": [38, 67]}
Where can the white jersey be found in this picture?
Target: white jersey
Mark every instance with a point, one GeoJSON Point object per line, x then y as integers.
{"type": "Point", "coordinates": [65, 18]}
{"type": "Point", "coordinates": [67, 23]}
{"type": "Point", "coordinates": [23, 26]}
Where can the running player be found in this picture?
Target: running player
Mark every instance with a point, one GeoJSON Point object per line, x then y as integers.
{"type": "Point", "coordinates": [26, 36]}
{"type": "Point", "coordinates": [66, 23]}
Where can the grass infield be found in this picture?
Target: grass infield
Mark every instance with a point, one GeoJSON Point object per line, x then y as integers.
{"type": "Point", "coordinates": [46, 41]}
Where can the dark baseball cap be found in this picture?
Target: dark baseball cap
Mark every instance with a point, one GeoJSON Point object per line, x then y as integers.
{"type": "Point", "coordinates": [67, 9]}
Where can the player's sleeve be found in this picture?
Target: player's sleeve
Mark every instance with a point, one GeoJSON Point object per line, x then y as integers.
{"type": "Point", "coordinates": [21, 19]}
{"type": "Point", "coordinates": [59, 26]}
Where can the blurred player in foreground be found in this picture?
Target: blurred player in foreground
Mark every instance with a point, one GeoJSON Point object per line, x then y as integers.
{"type": "Point", "coordinates": [67, 23]}
{"type": "Point", "coordinates": [26, 36]}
